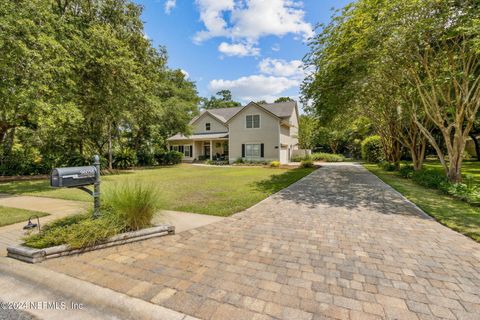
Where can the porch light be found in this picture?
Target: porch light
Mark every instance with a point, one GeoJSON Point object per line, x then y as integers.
{"type": "Point", "coordinates": [31, 225]}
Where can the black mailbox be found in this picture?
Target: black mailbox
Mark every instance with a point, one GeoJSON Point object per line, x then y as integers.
{"type": "Point", "coordinates": [73, 177]}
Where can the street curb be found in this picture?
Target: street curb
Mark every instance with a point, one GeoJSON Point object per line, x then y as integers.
{"type": "Point", "coordinates": [103, 299]}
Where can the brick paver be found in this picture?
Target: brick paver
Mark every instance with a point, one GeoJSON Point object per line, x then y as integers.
{"type": "Point", "coordinates": [338, 244]}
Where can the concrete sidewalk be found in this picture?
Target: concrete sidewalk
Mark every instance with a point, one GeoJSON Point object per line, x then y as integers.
{"type": "Point", "coordinates": [56, 208]}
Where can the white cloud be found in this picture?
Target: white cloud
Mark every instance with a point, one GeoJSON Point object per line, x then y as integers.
{"type": "Point", "coordinates": [238, 49]}
{"type": "Point", "coordinates": [255, 87]}
{"type": "Point", "coordinates": [276, 47]}
{"type": "Point", "coordinates": [169, 5]}
{"type": "Point", "coordinates": [281, 68]}
{"type": "Point", "coordinates": [246, 21]}
{"type": "Point", "coordinates": [185, 73]}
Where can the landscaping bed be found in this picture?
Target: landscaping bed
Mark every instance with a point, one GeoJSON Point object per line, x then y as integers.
{"type": "Point", "coordinates": [126, 215]}
{"type": "Point", "coordinates": [35, 255]}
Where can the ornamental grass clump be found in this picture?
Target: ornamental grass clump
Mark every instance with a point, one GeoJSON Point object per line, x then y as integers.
{"type": "Point", "coordinates": [132, 205]}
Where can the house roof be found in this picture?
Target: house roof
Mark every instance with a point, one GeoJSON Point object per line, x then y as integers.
{"type": "Point", "coordinates": [281, 110]}
{"type": "Point", "coordinates": [199, 136]}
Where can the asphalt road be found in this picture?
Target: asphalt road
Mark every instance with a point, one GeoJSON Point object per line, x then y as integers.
{"type": "Point", "coordinates": [10, 314]}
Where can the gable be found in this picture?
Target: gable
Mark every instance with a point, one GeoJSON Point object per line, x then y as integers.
{"type": "Point", "coordinates": [252, 107]}
{"type": "Point", "coordinates": [216, 125]}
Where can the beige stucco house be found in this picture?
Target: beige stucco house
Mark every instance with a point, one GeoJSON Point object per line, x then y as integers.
{"type": "Point", "coordinates": [255, 132]}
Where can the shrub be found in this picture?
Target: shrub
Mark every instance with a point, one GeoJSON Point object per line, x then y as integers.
{"type": "Point", "coordinates": [239, 161]}
{"type": "Point", "coordinates": [169, 157]}
{"type": "Point", "coordinates": [299, 158]}
{"type": "Point", "coordinates": [306, 164]}
{"type": "Point", "coordinates": [145, 158]}
{"type": "Point", "coordinates": [217, 162]}
{"type": "Point", "coordinates": [431, 179]}
{"type": "Point", "coordinates": [275, 164]}
{"type": "Point", "coordinates": [328, 157]}
{"type": "Point", "coordinates": [406, 171]}
{"type": "Point", "coordinates": [125, 158]}
{"type": "Point", "coordinates": [387, 166]}
{"type": "Point", "coordinates": [372, 149]}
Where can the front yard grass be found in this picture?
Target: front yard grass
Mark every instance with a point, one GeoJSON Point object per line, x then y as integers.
{"type": "Point", "coordinates": [14, 215]}
{"type": "Point", "coordinates": [455, 214]}
{"type": "Point", "coordinates": [199, 189]}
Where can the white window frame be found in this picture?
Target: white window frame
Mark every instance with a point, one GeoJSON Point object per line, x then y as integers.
{"type": "Point", "coordinates": [253, 121]}
{"type": "Point", "coordinates": [209, 128]}
{"type": "Point", "coordinates": [252, 153]}
{"type": "Point", "coordinates": [175, 148]}
{"type": "Point", "coordinates": [185, 148]}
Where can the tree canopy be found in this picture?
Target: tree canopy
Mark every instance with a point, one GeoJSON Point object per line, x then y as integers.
{"type": "Point", "coordinates": [79, 77]}
{"type": "Point", "coordinates": [410, 66]}
{"type": "Point", "coordinates": [225, 100]}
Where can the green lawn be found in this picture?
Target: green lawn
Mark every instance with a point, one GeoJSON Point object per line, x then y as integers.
{"type": "Point", "coordinates": [455, 214]}
{"type": "Point", "coordinates": [200, 189]}
{"type": "Point", "coordinates": [13, 215]}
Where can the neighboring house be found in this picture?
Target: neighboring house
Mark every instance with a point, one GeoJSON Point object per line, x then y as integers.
{"type": "Point", "coordinates": [255, 132]}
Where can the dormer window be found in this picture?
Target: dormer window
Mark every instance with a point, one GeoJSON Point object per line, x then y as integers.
{"type": "Point", "coordinates": [207, 126]}
{"type": "Point", "coordinates": [252, 121]}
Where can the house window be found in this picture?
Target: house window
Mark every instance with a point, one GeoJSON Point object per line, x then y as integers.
{"type": "Point", "coordinates": [207, 126]}
{"type": "Point", "coordinates": [253, 121]}
{"type": "Point", "coordinates": [252, 150]}
{"type": "Point", "coordinates": [175, 148]}
{"type": "Point", "coordinates": [186, 151]}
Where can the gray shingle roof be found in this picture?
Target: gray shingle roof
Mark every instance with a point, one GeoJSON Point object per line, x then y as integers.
{"type": "Point", "coordinates": [281, 110]}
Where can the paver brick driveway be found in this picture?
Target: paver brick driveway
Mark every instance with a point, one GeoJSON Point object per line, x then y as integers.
{"type": "Point", "coordinates": [337, 244]}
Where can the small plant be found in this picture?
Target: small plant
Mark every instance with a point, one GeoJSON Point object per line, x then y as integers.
{"type": "Point", "coordinates": [306, 164]}
{"type": "Point", "coordinates": [372, 149]}
{"type": "Point", "coordinates": [406, 171]}
{"type": "Point", "coordinates": [275, 164]}
{"type": "Point", "coordinates": [387, 166]}
{"type": "Point", "coordinates": [239, 161]}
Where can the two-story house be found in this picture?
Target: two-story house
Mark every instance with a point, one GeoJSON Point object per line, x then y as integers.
{"type": "Point", "coordinates": [255, 132]}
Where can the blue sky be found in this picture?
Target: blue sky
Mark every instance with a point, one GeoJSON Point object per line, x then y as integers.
{"type": "Point", "coordinates": [252, 47]}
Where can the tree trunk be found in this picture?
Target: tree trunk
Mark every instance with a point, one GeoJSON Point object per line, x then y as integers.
{"type": "Point", "coordinates": [110, 152]}
{"type": "Point", "coordinates": [477, 147]}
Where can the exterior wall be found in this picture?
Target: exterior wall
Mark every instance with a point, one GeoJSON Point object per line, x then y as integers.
{"type": "Point", "coordinates": [268, 134]}
{"type": "Point", "coordinates": [289, 138]}
{"type": "Point", "coordinates": [215, 125]}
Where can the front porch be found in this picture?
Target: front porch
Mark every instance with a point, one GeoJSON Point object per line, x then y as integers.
{"type": "Point", "coordinates": [201, 147]}
{"type": "Point", "coordinates": [210, 150]}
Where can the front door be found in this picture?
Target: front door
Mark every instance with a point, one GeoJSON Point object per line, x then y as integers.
{"type": "Point", "coordinates": [206, 150]}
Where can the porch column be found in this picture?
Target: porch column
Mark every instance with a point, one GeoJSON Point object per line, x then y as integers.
{"type": "Point", "coordinates": [211, 150]}
{"type": "Point", "coordinates": [193, 155]}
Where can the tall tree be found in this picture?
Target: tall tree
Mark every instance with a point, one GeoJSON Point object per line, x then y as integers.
{"type": "Point", "coordinates": [225, 101]}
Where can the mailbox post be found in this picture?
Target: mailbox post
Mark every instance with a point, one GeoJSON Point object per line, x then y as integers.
{"type": "Point", "coordinates": [96, 187]}
{"type": "Point", "coordinates": [80, 177]}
